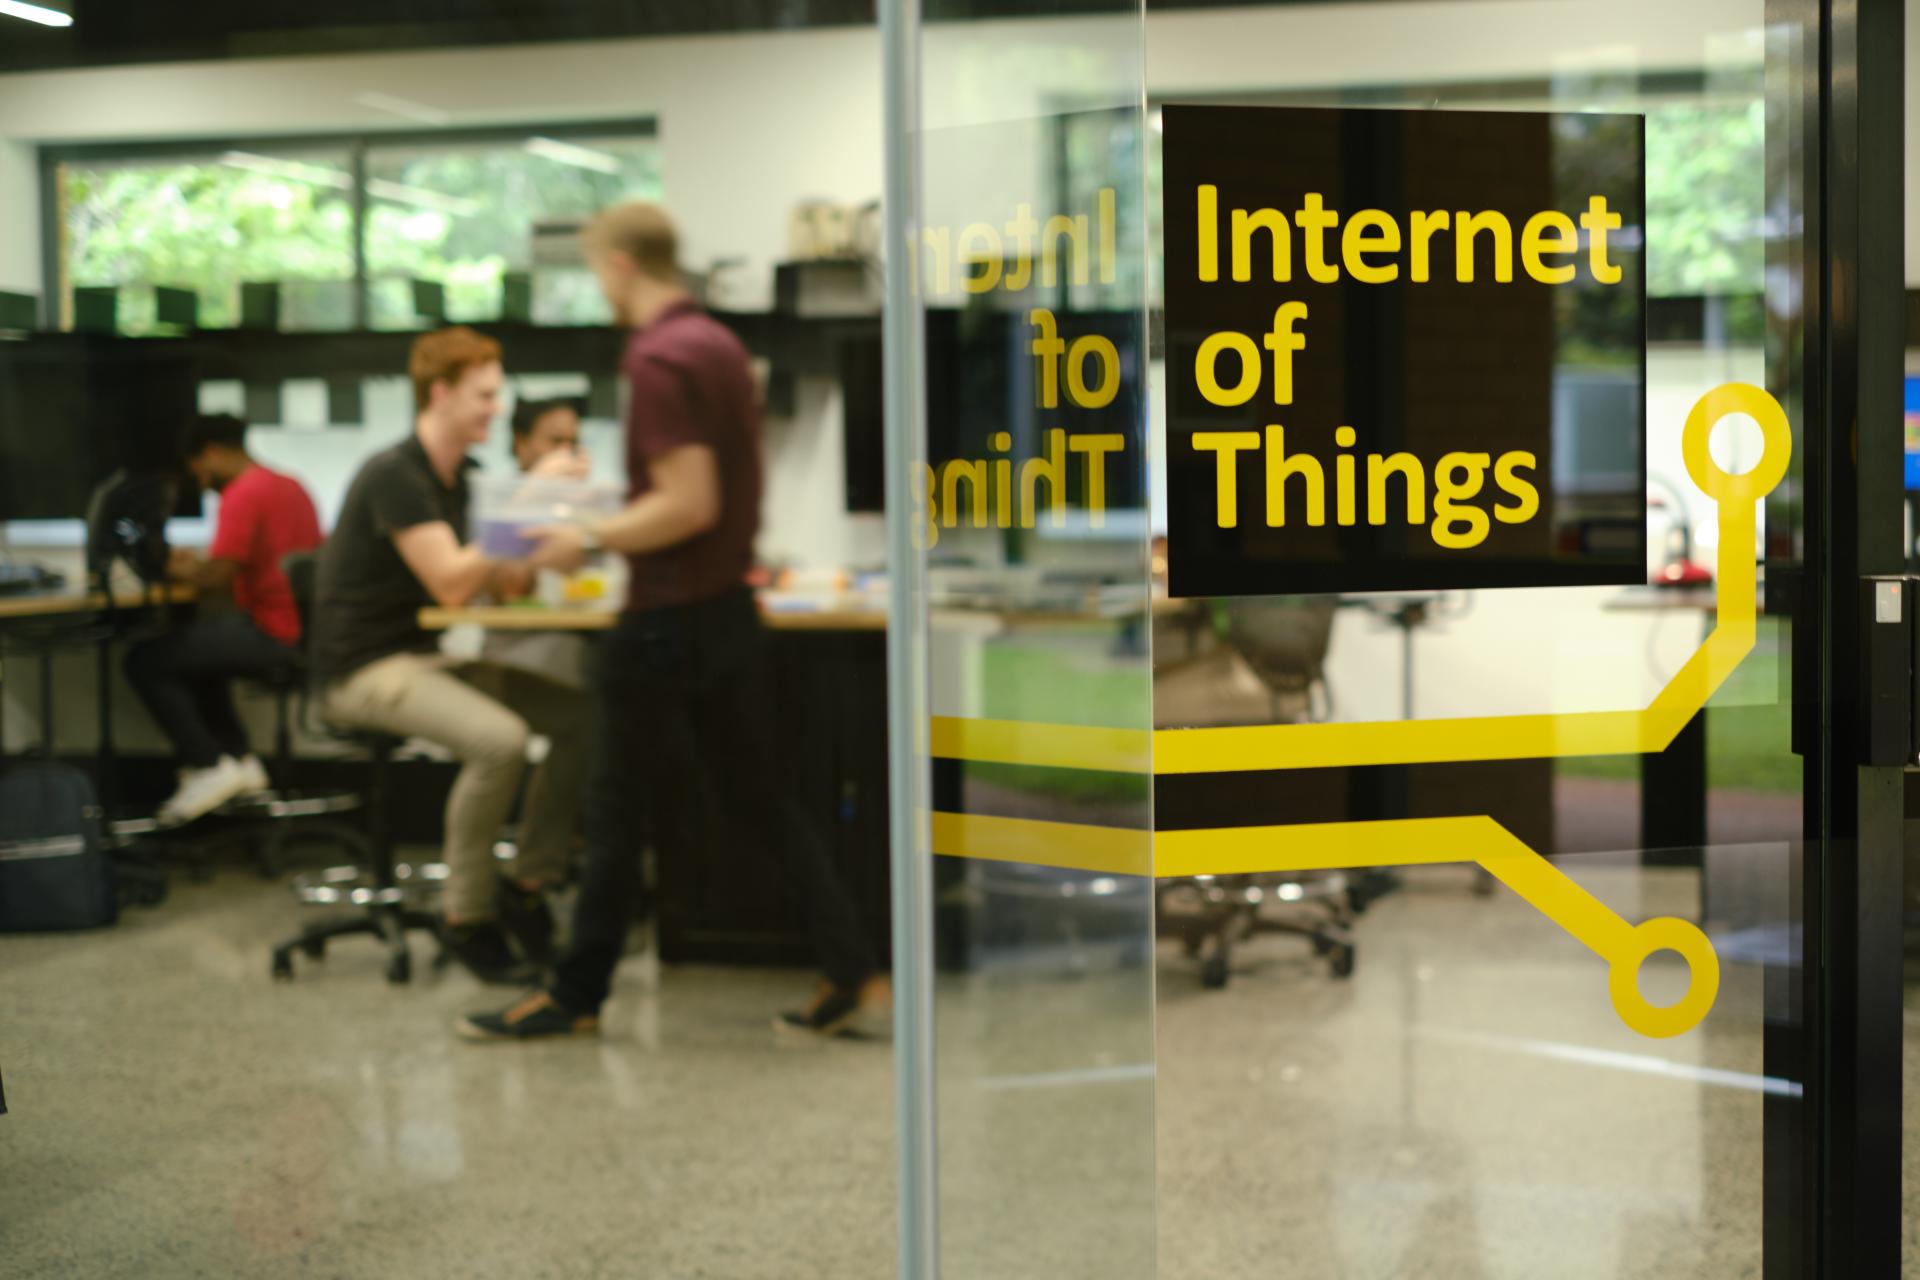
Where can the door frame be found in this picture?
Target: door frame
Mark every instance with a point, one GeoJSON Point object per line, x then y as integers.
{"type": "Point", "coordinates": [1847, 1134]}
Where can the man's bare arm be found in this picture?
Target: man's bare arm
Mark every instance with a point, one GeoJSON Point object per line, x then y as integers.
{"type": "Point", "coordinates": [451, 573]}
{"type": "Point", "coordinates": [683, 503]}
{"type": "Point", "coordinates": [206, 577]}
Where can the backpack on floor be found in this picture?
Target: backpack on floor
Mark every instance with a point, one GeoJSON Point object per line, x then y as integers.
{"type": "Point", "coordinates": [55, 871]}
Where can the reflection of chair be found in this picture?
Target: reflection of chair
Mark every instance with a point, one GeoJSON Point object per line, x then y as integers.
{"type": "Point", "coordinates": [1259, 661]}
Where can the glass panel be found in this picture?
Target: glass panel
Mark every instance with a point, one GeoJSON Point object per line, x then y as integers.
{"type": "Point", "coordinates": [1433, 1070]}
{"type": "Point", "coordinates": [210, 223]}
{"type": "Point", "coordinates": [1028, 267]}
{"type": "Point", "coordinates": [463, 216]}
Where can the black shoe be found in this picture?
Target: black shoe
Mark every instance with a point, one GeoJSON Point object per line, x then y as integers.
{"type": "Point", "coordinates": [483, 949]}
{"type": "Point", "coordinates": [839, 1011]}
{"type": "Point", "coordinates": [528, 920]}
{"type": "Point", "coordinates": [536, 1016]}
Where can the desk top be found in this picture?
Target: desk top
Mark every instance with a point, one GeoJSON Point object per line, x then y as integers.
{"type": "Point", "coordinates": [520, 617]}
{"type": "Point", "coordinates": [51, 604]}
{"type": "Point", "coordinates": [1650, 599]}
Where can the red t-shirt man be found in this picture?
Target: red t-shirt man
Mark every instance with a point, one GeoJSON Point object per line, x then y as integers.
{"type": "Point", "coordinates": [183, 675]}
{"type": "Point", "coordinates": [264, 517]}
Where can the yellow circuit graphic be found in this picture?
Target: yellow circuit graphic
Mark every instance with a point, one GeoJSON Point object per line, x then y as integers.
{"type": "Point", "coordinates": [1405, 842]}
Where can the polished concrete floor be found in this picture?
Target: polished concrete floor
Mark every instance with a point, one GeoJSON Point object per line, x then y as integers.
{"type": "Point", "coordinates": [1466, 1107]}
{"type": "Point", "coordinates": [175, 1113]}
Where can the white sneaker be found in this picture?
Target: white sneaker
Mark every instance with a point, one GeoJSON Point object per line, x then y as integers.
{"type": "Point", "coordinates": [256, 774]}
{"type": "Point", "coordinates": [204, 790]}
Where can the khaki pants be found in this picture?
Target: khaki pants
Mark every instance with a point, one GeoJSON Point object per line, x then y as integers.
{"type": "Point", "coordinates": [421, 695]}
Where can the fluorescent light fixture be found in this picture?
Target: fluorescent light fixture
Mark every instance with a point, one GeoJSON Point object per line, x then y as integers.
{"type": "Point", "coordinates": [579, 157]}
{"type": "Point", "coordinates": [48, 13]}
{"type": "Point", "coordinates": [340, 180]}
{"type": "Point", "coordinates": [401, 193]}
{"type": "Point", "coordinates": [405, 108]}
{"type": "Point", "coordinates": [293, 170]}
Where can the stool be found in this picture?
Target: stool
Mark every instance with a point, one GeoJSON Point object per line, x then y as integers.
{"type": "Point", "coordinates": [390, 896]}
{"type": "Point", "coordinates": [283, 815]}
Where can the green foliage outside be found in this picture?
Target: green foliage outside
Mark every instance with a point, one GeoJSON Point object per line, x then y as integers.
{"type": "Point", "coordinates": [1706, 192]}
{"type": "Point", "coordinates": [200, 226]}
{"type": "Point", "coordinates": [459, 215]}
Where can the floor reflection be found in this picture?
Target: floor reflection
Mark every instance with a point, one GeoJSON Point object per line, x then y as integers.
{"type": "Point", "coordinates": [176, 1113]}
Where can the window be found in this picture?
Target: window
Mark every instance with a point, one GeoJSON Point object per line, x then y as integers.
{"type": "Point", "coordinates": [344, 225]}
{"type": "Point", "coordinates": [209, 222]}
{"type": "Point", "coordinates": [465, 215]}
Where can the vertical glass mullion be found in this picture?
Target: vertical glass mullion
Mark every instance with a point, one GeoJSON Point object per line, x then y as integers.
{"type": "Point", "coordinates": [908, 764]}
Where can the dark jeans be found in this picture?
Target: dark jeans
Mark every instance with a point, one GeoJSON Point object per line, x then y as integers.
{"type": "Point", "coordinates": [183, 677]}
{"type": "Point", "coordinates": [681, 699]}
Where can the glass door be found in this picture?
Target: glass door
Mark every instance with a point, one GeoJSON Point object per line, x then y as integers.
{"type": "Point", "coordinates": [1487, 664]}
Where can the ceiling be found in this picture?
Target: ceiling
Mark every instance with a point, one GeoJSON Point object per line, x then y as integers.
{"type": "Point", "coordinates": [118, 32]}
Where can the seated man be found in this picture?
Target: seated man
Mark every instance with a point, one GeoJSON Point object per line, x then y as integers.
{"type": "Point", "coordinates": [398, 546]}
{"type": "Point", "coordinates": [184, 675]}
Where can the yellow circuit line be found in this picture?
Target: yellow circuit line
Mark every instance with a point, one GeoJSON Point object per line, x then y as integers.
{"type": "Point", "coordinates": [1243, 748]}
{"type": "Point", "coordinates": [1411, 841]}
{"type": "Point", "coordinates": [1326, 846]}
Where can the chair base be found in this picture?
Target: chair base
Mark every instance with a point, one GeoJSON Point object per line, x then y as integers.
{"type": "Point", "coordinates": [1320, 908]}
{"type": "Point", "coordinates": [385, 921]}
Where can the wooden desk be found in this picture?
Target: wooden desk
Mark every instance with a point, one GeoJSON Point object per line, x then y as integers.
{"type": "Point", "coordinates": [520, 617]}
{"type": "Point", "coordinates": [53, 604]}
{"type": "Point", "coordinates": [43, 617]}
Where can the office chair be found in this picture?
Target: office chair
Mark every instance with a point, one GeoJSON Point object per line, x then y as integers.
{"type": "Point", "coordinates": [388, 895]}
{"type": "Point", "coordinates": [1283, 643]}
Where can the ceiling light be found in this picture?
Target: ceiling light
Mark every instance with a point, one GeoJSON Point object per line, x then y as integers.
{"type": "Point", "coordinates": [401, 193]}
{"type": "Point", "coordinates": [293, 170]}
{"type": "Point", "coordinates": [578, 157]}
{"type": "Point", "coordinates": [48, 13]}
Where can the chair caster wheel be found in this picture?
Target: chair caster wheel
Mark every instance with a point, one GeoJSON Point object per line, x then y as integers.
{"type": "Point", "coordinates": [282, 967]}
{"type": "Point", "coordinates": [400, 969]}
{"type": "Point", "coordinates": [1341, 963]}
{"type": "Point", "coordinates": [1213, 971]}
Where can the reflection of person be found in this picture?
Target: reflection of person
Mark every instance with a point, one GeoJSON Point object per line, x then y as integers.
{"type": "Point", "coordinates": [184, 675]}
{"type": "Point", "coordinates": [682, 675]}
{"type": "Point", "coordinates": [397, 547]}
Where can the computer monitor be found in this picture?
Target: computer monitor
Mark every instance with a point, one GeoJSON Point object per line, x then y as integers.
{"type": "Point", "coordinates": [75, 410]}
{"type": "Point", "coordinates": [1913, 432]}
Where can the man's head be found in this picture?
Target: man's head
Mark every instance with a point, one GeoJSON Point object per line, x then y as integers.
{"type": "Point", "coordinates": [457, 381]}
{"type": "Point", "coordinates": [214, 449]}
{"type": "Point", "coordinates": [542, 426]}
{"type": "Point", "coordinates": [634, 253]}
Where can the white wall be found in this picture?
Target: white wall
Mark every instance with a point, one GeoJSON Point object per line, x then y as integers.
{"type": "Point", "coordinates": [19, 218]}
{"type": "Point", "coordinates": [749, 125]}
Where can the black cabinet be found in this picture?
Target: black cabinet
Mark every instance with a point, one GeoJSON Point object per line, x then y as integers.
{"type": "Point", "coordinates": [723, 899]}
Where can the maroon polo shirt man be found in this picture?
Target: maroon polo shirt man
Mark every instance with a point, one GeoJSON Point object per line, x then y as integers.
{"type": "Point", "coordinates": [682, 675]}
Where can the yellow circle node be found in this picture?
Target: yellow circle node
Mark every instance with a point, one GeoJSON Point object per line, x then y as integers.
{"type": "Point", "coordinates": [1716, 482]}
{"type": "Point", "coordinates": [1665, 933]}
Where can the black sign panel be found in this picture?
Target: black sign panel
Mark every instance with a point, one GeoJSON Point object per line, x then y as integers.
{"type": "Point", "coordinates": [1405, 350]}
